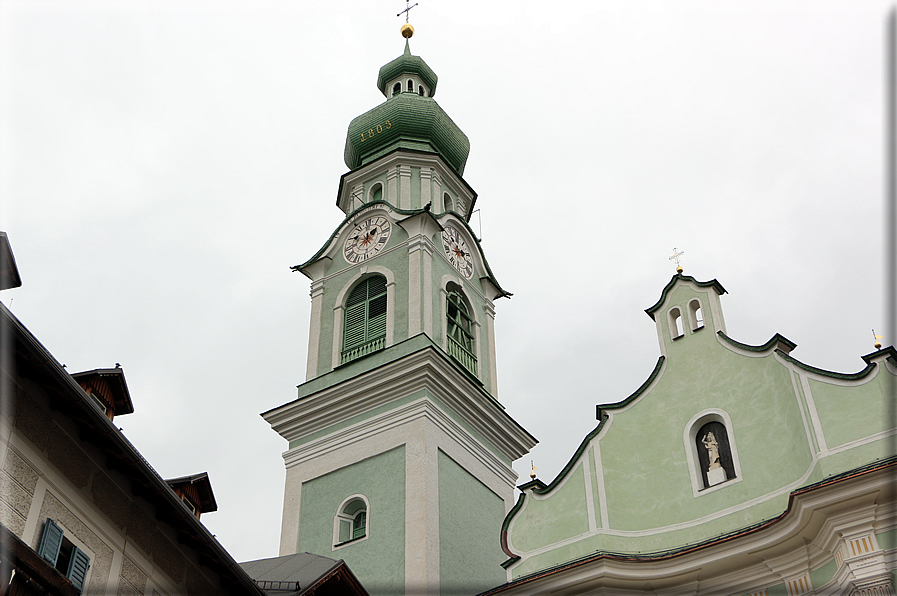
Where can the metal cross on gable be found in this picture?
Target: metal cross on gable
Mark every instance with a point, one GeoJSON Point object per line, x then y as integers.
{"type": "Point", "coordinates": [407, 11]}
{"type": "Point", "coordinates": [676, 254]}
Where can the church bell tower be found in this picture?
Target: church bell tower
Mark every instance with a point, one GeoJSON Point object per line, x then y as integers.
{"type": "Point", "coordinates": [399, 458]}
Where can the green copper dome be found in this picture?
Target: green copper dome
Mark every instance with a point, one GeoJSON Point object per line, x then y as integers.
{"type": "Point", "coordinates": [408, 119]}
{"type": "Point", "coordinates": [407, 64]}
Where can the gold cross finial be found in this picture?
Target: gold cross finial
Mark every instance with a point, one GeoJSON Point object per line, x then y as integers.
{"type": "Point", "coordinates": [407, 29]}
{"type": "Point", "coordinates": [532, 474]}
{"type": "Point", "coordinates": [676, 254]}
{"type": "Point", "coordinates": [407, 11]}
{"type": "Point", "coordinates": [877, 340]}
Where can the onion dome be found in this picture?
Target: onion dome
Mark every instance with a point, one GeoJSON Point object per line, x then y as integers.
{"type": "Point", "coordinates": [409, 118]}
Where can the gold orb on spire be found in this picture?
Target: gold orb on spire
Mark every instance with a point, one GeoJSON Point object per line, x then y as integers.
{"type": "Point", "coordinates": [407, 30]}
{"type": "Point", "coordinates": [679, 269]}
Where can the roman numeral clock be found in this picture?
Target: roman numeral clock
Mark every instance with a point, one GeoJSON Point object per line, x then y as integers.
{"type": "Point", "coordinates": [367, 239]}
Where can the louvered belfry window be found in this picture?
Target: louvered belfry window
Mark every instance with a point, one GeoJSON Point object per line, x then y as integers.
{"type": "Point", "coordinates": [460, 332]}
{"type": "Point", "coordinates": [365, 329]}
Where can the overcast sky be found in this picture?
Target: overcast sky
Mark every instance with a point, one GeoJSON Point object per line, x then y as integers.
{"type": "Point", "coordinates": [163, 164]}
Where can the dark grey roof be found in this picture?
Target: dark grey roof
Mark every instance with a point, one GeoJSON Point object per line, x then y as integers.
{"type": "Point", "coordinates": [9, 273]}
{"type": "Point", "coordinates": [280, 575]}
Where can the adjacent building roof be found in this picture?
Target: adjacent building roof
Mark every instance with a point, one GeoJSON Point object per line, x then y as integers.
{"type": "Point", "coordinates": [33, 361]}
{"type": "Point", "coordinates": [9, 273]}
{"type": "Point", "coordinates": [303, 574]}
{"type": "Point", "coordinates": [114, 379]}
{"type": "Point", "coordinates": [203, 487]}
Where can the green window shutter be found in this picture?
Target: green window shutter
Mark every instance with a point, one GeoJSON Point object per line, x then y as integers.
{"type": "Point", "coordinates": [377, 318]}
{"type": "Point", "coordinates": [359, 525]}
{"type": "Point", "coordinates": [50, 542]}
{"type": "Point", "coordinates": [354, 333]}
{"type": "Point", "coordinates": [78, 566]}
{"type": "Point", "coordinates": [365, 313]}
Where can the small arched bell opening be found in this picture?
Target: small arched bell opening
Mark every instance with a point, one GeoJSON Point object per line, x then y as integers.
{"type": "Point", "coordinates": [677, 328]}
{"type": "Point", "coordinates": [696, 314]}
{"type": "Point", "coordinates": [376, 193]}
{"type": "Point", "coordinates": [420, 90]}
{"type": "Point", "coordinates": [447, 202]}
{"type": "Point", "coordinates": [397, 88]}
{"type": "Point", "coordinates": [410, 85]}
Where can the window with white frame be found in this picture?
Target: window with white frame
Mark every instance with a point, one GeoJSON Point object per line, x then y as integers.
{"type": "Point", "coordinates": [351, 521]}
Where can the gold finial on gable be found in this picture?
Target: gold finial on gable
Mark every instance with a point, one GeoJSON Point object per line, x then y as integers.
{"type": "Point", "coordinates": [878, 338]}
{"type": "Point", "coordinates": [676, 254]}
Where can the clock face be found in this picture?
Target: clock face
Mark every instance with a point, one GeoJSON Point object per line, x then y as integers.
{"type": "Point", "coordinates": [456, 251]}
{"type": "Point", "coordinates": [367, 239]}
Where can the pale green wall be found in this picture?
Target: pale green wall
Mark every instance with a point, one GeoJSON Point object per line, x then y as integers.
{"type": "Point", "coordinates": [823, 575]}
{"type": "Point", "coordinates": [644, 461]}
{"type": "Point", "coordinates": [470, 517]}
{"type": "Point", "coordinates": [887, 540]}
{"type": "Point", "coordinates": [702, 375]}
{"type": "Point", "coordinates": [378, 561]}
{"type": "Point", "coordinates": [844, 412]}
{"type": "Point", "coordinates": [567, 516]}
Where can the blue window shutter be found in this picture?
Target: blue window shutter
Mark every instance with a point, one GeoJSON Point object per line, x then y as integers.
{"type": "Point", "coordinates": [78, 567]}
{"type": "Point", "coordinates": [50, 542]}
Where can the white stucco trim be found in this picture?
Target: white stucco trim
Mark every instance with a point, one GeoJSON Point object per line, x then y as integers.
{"type": "Point", "coordinates": [590, 498]}
{"type": "Point", "coordinates": [314, 331]}
{"type": "Point", "coordinates": [814, 414]}
{"type": "Point", "coordinates": [423, 370]}
{"type": "Point", "coordinates": [602, 491]}
{"type": "Point", "coordinates": [371, 427]}
{"type": "Point", "coordinates": [802, 408]}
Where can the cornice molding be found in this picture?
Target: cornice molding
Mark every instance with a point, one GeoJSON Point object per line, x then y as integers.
{"type": "Point", "coordinates": [424, 370]}
{"type": "Point", "coordinates": [371, 427]}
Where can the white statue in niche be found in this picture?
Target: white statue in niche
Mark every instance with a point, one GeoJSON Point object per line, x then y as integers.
{"type": "Point", "coordinates": [715, 472]}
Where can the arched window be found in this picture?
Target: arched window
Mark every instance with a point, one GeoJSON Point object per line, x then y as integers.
{"type": "Point", "coordinates": [460, 331]}
{"type": "Point", "coordinates": [420, 90]}
{"type": "Point", "coordinates": [351, 522]}
{"type": "Point", "coordinates": [714, 454]}
{"type": "Point", "coordinates": [410, 85]}
{"type": "Point", "coordinates": [447, 201]}
{"type": "Point", "coordinates": [377, 192]}
{"type": "Point", "coordinates": [365, 327]}
{"type": "Point", "coordinates": [397, 88]}
{"type": "Point", "coordinates": [696, 314]}
{"type": "Point", "coordinates": [676, 328]}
